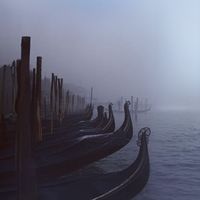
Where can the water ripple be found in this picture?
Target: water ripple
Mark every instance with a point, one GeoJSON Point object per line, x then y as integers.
{"type": "Point", "coordinates": [174, 155]}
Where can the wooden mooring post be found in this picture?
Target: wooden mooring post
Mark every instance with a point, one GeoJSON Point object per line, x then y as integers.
{"type": "Point", "coordinates": [60, 99]}
{"type": "Point", "coordinates": [132, 106]}
{"type": "Point", "coordinates": [13, 78]}
{"type": "Point", "coordinates": [67, 99]}
{"type": "Point", "coordinates": [91, 95]}
{"type": "Point", "coordinates": [26, 171]}
{"type": "Point", "coordinates": [33, 107]}
{"type": "Point", "coordinates": [2, 96]}
{"type": "Point", "coordinates": [52, 102]}
{"type": "Point", "coordinates": [55, 97]}
{"type": "Point", "coordinates": [136, 108]}
{"type": "Point", "coordinates": [38, 99]}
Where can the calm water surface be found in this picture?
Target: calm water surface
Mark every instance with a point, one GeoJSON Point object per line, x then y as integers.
{"type": "Point", "coordinates": [174, 148]}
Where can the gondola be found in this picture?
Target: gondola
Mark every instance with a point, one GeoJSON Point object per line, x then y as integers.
{"type": "Point", "coordinates": [74, 154]}
{"type": "Point", "coordinates": [71, 120]}
{"type": "Point", "coordinates": [124, 184]}
{"type": "Point", "coordinates": [66, 128]}
{"type": "Point", "coordinates": [104, 125]}
{"type": "Point", "coordinates": [94, 122]}
{"type": "Point", "coordinates": [68, 120]}
{"type": "Point", "coordinates": [99, 121]}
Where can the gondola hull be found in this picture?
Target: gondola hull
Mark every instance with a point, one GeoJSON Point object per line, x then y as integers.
{"type": "Point", "coordinates": [124, 184]}
{"type": "Point", "coordinates": [82, 151]}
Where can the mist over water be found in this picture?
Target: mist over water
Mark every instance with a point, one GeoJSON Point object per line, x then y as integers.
{"type": "Point", "coordinates": [121, 48]}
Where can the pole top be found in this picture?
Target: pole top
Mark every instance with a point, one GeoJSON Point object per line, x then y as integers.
{"type": "Point", "coordinates": [39, 57]}
{"type": "Point", "coordinates": [26, 38]}
{"type": "Point", "coordinates": [25, 42]}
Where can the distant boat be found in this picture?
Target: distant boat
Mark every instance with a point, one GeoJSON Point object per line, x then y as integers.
{"type": "Point", "coordinates": [142, 110]}
{"type": "Point", "coordinates": [136, 107]}
{"type": "Point", "coordinates": [134, 111]}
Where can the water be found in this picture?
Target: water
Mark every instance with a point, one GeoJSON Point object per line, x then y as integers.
{"type": "Point", "coordinates": [174, 149]}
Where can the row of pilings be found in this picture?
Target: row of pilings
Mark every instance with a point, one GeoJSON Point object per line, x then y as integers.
{"type": "Point", "coordinates": [27, 98]}
{"type": "Point", "coordinates": [49, 90]}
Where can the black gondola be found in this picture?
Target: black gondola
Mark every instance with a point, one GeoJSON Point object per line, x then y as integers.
{"type": "Point", "coordinates": [74, 154]}
{"type": "Point", "coordinates": [124, 184]}
{"type": "Point", "coordinates": [99, 122]}
{"type": "Point", "coordinates": [63, 134]}
{"type": "Point", "coordinates": [65, 129]}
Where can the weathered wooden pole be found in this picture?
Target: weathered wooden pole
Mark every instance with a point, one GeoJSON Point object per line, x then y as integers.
{"type": "Point", "coordinates": [81, 103]}
{"type": "Point", "coordinates": [36, 102]}
{"type": "Point", "coordinates": [38, 99]}
{"type": "Point", "coordinates": [136, 108]}
{"type": "Point", "coordinates": [122, 102]}
{"type": "Point", "coordinates": [55, 96]}
{"type": "Point", "coordinates": [18, 66]}
{"type": "Point", "coordinates": [2, 100]}
{"type": "Point", "coordinates": [33, 108]}
{"type": "Point", "coordinates": [60, 88]}
{"type": "Point", "coordinates": [44, 98]}
{"type": "Point", "coordinates": [61, 97]}
{"type": "Point", "coordinates": [73, 101]}
{"type": "Point", "coordinates": [132, 105]}
{"type": "Point", "coordinates": [77, 103]}
{"type": "Point", "coordinates": [13, 78]}
{"type": "Point", "coordinates": [18, 69]}
{"type": "Point", "coordinates": [25, 164]}
{"type": "Point", "coordinates": [91, 95]}
{"type": "Point", "coordinates": [2, 130]}
{"type": "Point", "coordinates": [136, 105]}
{"type": "Point", "coordinates": [45, 107]}
{"type": "Point", "coordinates": [39, 80]}
{"type": "Point", "coordinates": [67, 102]}
{"type": "Point", "coordinates": [52, 101]}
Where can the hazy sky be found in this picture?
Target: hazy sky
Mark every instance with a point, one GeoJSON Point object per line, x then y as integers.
{"type": "Point", "coordinates": [147, 48]}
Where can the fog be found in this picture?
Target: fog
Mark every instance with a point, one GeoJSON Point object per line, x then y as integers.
{"type": "Point", "coordinates": [146, 48]}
